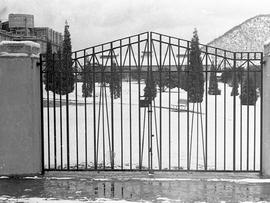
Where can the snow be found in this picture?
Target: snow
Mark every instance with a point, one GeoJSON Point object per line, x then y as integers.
{"type": "Point", "coordinates": [53, 200]}
{"type": "Point", "coordinates": [17, 54]}
{"type": "Point", "coordinates": [267, 42]}
{"type": "Point", "coordinates": [101, 179]}
{"type": "Point", "coordinates": [244, 180]}
{"type": "Point", "coordinates": [33, 177]}
{"type": "Point", "coordinates": [249, 36]}
{"type": "Point", "coordinates": [60, 178]}
{"type": "Point", "coordinates": [27, 43]}
{"type": "Point", "coordinates": [19, 48]}
{"type": "Point", "coordinates": [221, 120]}
{"type": "Point", "coordinates": [164, 179]}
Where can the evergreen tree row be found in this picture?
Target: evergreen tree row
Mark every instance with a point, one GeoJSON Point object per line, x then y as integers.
{"type": "Point", "coordinates": [59, 77]}
{"type": "Point", "coordinates": [103, 77]}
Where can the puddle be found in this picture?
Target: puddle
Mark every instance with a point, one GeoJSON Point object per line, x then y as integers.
{"type": "Point", "coordinates": [133, 190]}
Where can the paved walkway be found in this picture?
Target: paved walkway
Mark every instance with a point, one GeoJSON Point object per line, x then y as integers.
{"type": "Point", "coordinates": [135, 187]}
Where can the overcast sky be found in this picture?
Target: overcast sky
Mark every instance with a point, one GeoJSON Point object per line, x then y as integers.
{"type": "Point", "coordinates": [96, 21]}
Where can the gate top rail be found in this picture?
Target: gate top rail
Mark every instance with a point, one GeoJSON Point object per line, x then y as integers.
{"type": "Point", "coordinates": [165, 39]}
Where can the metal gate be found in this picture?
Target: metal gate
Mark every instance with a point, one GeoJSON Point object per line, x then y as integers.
{"type": "Point", "coordinates": [131, 110]}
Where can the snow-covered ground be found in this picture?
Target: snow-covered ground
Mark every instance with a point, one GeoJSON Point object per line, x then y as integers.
{"type": "Point", "coordinates": [174, 136]}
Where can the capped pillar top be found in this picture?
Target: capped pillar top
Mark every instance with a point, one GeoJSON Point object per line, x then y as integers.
{"type": "Point", "coordinates": [19, 48]}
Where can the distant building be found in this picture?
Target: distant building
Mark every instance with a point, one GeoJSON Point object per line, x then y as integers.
{"type": "Point", "coordinates": [21, 24]}
{"type": "Point", "coordinates": [4, 35]}
{"type": "Point", "coordinates": [20, 27]}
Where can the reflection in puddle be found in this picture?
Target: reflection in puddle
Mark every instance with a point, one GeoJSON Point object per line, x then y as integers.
{"type": "Point", "coordinates": [134, 190]}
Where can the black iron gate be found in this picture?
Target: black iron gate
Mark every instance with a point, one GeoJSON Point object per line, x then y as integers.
{"type": "Point", "coordinates": [130, 108]}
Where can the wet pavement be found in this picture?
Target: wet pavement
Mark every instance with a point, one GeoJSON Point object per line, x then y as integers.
{"type": "Point", "coordinates": [135, 187]}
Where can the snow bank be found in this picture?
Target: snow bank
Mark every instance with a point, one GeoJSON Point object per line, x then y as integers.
{"type": "Point", "coordinates": [45, 200]}
{"type": "Point", "coordinates": [245, 180]}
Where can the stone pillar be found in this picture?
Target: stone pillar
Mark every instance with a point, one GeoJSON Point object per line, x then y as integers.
{"type": "Point", "coordinates": [20, 126]}
{"type": "Point", "coordinates": [266, 112]}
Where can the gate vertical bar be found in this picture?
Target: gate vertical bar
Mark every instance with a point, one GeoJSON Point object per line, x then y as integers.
{"type": "Point", "coordinates": [241, 123]}
{"type": "Point", "coordinates": [160, 101]}
{"type": "Point", "coordinates": [130, 108]}
{"type": "Point", "coordinates": [206, 108]}
{"type": "Point", "coordinates": [215, 111]}
{"type": "Point", "coordinates": [85, 108]}
{"type": "Point", "coordinates": [150, 108]}
{"type": "Point", "coordinates": [61, 113]}
{"type": "Point", "coordinates": [121, 103]}
{"type": "Point", "coordinates": [225, 110]}
{"type": "Point", "coordinates": [112, 95]}
{"type": "Point", "coordinates": [234, 109]}
{"type": "Point", "coordinates": [42, 115]}
{"type": "Point", "coordinates": [148, 78]}
{"type": "Point", "coordinates": [139, 95]}
{"type": "Point", "coordinates": [254, 125]}
{"type": "Point", "coordinates": [76, 110]}
{"type": "Point", "coordinates": [178, 103]}
{"type": "Point", "coordinates": [248, 101]}
{"type": "Point", "coordinates": [94, 107]}
{"type": "Point", "coordinates": [67, 120]}
{"type": "Point", "coordinates": [188, 61]}
{"type": "Point", "coordinates": [261, 113]}
{"type": "Point", "coordinates": [48, 121]}
{"type": "Point", "coordinates": [169, 103]}
{"type": "Point", "coordinates": [54, 113]}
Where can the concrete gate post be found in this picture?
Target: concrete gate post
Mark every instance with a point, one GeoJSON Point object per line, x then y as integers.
{"type": "Point", "coordinates": [20, 126]}
{"type": "Point", "coordinates": [266, 112]}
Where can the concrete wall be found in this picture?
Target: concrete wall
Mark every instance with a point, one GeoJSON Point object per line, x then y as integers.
{"type": "Point", "coordinates": [20, 126]}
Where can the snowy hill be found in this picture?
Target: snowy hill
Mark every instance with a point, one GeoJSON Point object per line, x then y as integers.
{"type": "Point", "coordinates": [248, 36]}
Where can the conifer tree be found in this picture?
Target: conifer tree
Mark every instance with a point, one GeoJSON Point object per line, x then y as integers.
{"type": "Point", "coordinates": [87, 78]}
{"type": "Point", "coordinates": [184, 78]}
{"type": "Point", "coordinates": [195, 85]}
{"type": "Point", "coordinates": [235, 86]}
{"type": "Point", "coordinates": [249, 94]}
{"type": "Point", "coordinates": [173, 80]}
{"type": "Point", "coordinates": [49, 76]}
{"type": "Point", "coordinates": [115, 81]}
{"type": "Point", "coordinates": [58, 71]}
{"type": "Point", "coordinates": [67, 71]}
{"type": "Point", "coordinates": [213, 84]}
{"type": "Point", "coordinates": [226, 75]}
{"type": "Point", "coordinates": [150, 90]}
{"type": "Point", "coordinates": [164, 82]}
